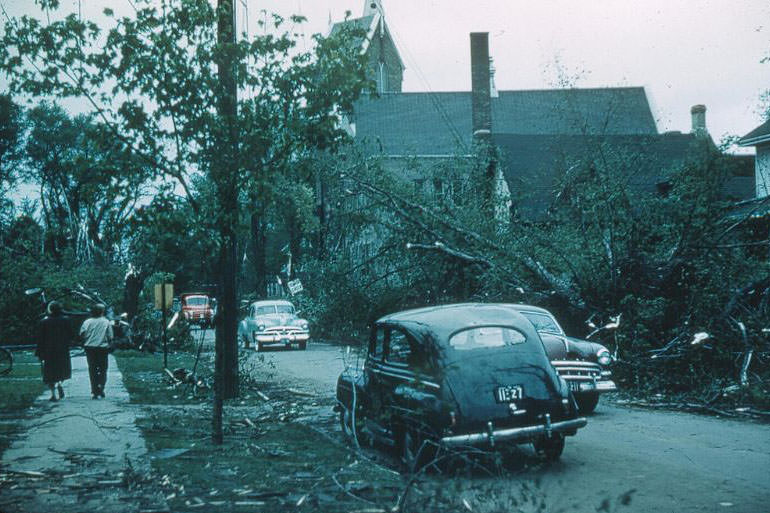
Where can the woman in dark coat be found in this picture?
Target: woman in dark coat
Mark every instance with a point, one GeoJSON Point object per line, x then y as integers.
{"type": "Point", "coordinates": [53, 349]}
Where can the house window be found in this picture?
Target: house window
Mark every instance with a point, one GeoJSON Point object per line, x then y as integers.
{"type": "Point", "coordinates": [382, 78]}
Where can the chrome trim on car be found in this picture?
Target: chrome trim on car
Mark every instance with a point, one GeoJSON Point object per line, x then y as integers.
{"type": "Point", "coordinates": [606, 386]}
{"type": "Point", "coordinates": [410, 377]}
{"type": "Point", "coordinates": [574, 363]}
{"type": "Point", "coordinates": [520, 433]}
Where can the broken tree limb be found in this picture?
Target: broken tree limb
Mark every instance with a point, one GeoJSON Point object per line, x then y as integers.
{"type": "Point", "coordinates": [456, 253]}
{"type": "Point", "coordinates": [743, 377]}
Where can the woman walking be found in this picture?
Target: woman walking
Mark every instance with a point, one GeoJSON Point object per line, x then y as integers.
{"type": "Point", "coordinates": [53, 349]}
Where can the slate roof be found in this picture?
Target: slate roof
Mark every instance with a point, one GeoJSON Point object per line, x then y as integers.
{"type": "Point", "coordinates": [440, 123]}
{"type": "Point", "coordinates": [758, 135]}
{"type": "Point", "coordinates": [534, 164]}
{"type": "Point", "coordinates": [364, 24]}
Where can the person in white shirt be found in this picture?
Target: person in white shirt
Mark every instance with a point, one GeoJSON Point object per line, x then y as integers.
{"type": "Point", "coordinates": [96, 333]}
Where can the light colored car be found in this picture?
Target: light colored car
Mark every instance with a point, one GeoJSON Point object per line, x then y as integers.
{"type": "Point", "coordinates": [273, 323]}
{"type": "Point", "coordinates": [585, 365]}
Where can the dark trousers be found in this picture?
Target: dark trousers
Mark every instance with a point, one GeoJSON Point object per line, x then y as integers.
{"type": "Point", "coordinates": [97, 368]}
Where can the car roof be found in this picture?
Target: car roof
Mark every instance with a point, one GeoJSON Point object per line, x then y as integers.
{"type": "Point", "coordinates": [193, 294]}
{"type": "Point", "coordinates": [444, 320]}
{"type": "Point", "coordinates": [521, 307]}
{"type": "Point", "coordinates": [272, 302]}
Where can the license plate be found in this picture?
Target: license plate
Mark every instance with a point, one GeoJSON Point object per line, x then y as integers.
{"type": "Point", "coordinates": [509, 394]}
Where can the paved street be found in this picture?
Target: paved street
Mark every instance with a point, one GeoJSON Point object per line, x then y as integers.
{"type": "Point", "coordinates": [675, 462]}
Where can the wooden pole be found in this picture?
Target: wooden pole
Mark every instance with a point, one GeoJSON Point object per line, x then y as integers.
{"type": "Point", "coordinates": [163, 317]}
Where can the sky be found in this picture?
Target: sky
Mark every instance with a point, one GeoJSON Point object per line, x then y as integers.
{"type": "Point", "coordinates": [684, 52]}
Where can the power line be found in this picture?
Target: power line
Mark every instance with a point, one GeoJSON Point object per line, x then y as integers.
{"type": "Point", "coordinates": [437, 103]}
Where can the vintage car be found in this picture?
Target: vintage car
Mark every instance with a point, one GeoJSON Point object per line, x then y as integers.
{"type": "Point", "coordinates": [273, 323]}
{"type": "Point", "coordinates": [197, 308]}
{"type": "Point", "coordinates": [583, 364]}
{"type": "Point", "coordinates": [456, 376]}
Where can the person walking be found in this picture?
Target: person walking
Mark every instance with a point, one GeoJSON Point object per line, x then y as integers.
{"type": "Point", "coordinates": [53, 349]}
{"type": "Point", "coordinates": [96, 333]}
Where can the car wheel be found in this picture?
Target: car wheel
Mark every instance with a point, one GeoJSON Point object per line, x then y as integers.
{"type": "Point", "coordinates": [550, 448]}
{"type": "Point", "coordinates": [260, 347]}
{"type": "Point", "coordinates": [246, 342]}
{"type": "Point", "coordinates": [586, 402]}
{"type": "Point", "coordinates": [302, 345]}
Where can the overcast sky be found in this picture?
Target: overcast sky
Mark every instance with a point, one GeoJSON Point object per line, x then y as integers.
{"type": "Point", "coordinates": [684, 52]}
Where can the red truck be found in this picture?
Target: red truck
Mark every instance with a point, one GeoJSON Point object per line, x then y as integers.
{"type": "Point", "coordinates": [197, 308]}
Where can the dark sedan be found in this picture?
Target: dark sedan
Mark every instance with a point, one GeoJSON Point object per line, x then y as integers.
{"type": "Point", "coordinates": [585, 365]}
{"type": "Point", "coordinates": [453, 376]}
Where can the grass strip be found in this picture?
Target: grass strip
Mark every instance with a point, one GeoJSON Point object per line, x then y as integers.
{"type": "Point", "coordinates": [284, 457]}
{"type": "Point", "coordinates": [18, 391]}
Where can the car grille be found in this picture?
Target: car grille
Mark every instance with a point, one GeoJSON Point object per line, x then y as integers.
{"type": "Point", "coordinates": [577, 370]}
{"type": "Point", "coordinates": [284, 330]}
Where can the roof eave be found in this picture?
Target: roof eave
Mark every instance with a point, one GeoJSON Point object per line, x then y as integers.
{"type": "Point", "coordinates": [754, 141]}
{"type": "Point", "coordinates": [370, 32]}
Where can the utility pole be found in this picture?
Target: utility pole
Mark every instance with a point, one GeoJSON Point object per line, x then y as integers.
{"type": "Point", "coordinates": [224, 170]}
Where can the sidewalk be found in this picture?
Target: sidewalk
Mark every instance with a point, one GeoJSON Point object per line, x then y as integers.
{"type": "Point", "coordinates": [79, 454]}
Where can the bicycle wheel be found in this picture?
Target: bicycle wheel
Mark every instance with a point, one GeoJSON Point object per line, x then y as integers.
{"type": "Point", "coordinates": [6, 361]}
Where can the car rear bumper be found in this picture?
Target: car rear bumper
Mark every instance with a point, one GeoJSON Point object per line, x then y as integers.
{"type": "Point", "coordinates": [518, 434]}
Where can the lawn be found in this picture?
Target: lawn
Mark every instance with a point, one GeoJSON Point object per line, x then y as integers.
{"type": "Point", "coordinates": [18, 390]}
{"type": "Point", "coordinates": [277, 454]}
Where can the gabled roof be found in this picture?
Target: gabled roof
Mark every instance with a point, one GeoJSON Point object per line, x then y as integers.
{"type": "Point", "coordinates": [440, 123]}
{"type": "Point", "coordinates": [759, 135]}
{"type": "Point", "coordinates": [369, 25]}
{"type": "Point", "coordinates": [534, 164]}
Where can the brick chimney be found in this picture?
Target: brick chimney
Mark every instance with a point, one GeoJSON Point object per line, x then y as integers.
{"type": "Point", "coordinates": [481, 104]}
{"type": "Point", "coordinates": [698, 115]}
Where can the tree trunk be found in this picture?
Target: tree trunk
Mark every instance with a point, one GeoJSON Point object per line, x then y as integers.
{"type": "Point", "coordinates": [295, 244]}
{"type": "Point", "coordinates": [224, 173]}
{"type": "Point", "coordinates": [133, 286]}
{"type": "Point", "coordinates": [259, 254]}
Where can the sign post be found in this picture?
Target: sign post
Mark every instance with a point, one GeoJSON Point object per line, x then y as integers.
{"type": "Point", "coordinates": [164, 294]}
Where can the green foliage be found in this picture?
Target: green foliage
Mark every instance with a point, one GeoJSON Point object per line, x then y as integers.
{"type": "Point", "coordinates": [673, 263]}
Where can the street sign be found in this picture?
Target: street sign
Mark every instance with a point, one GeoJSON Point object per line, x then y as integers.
{"type": "Point", "coordinates": [164, 296]}
{"type": "Point", "coordinates": [295, 287]}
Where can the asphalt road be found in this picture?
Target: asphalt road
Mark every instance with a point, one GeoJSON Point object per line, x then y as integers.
{"type": "Point", "coordinates": [674, 462]}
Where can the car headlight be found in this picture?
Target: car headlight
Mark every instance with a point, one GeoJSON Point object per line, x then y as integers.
{"type": "Point", "coordinates": [603, 357]}
{"type": "Point", "coordinates": [303, 325]}
{"type": "Point", "coordinates": [260, 327]}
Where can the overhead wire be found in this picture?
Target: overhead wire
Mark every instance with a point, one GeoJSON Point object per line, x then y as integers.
{"type": "Point", "coordinates": [437, 102]}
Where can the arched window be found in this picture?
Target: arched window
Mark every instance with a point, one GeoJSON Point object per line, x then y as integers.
{"type": "Point", "coordinates": [382, 78]}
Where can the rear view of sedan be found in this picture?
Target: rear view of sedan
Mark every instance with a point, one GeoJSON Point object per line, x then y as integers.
{"type": "Point", "coordinates": [454, 376]}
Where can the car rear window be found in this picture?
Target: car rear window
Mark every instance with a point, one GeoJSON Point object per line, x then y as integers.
{"type": "Point", "coordinates": [485, 337]}
{"type": "Point", "coordinates": [196, 301]}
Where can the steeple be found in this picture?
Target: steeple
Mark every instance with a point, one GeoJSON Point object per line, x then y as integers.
{"type": "Point", "coordinates": [372, 7]}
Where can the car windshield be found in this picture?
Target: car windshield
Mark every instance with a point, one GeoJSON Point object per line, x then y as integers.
{"type": "Point", "coordinates": [543, 323]}
{"type": "Point", "coordinates": [273, 309]}
{"type": "Point", "coordinates": [196, 301]}
{"type": "Point", "coordinates": [486, 337]}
